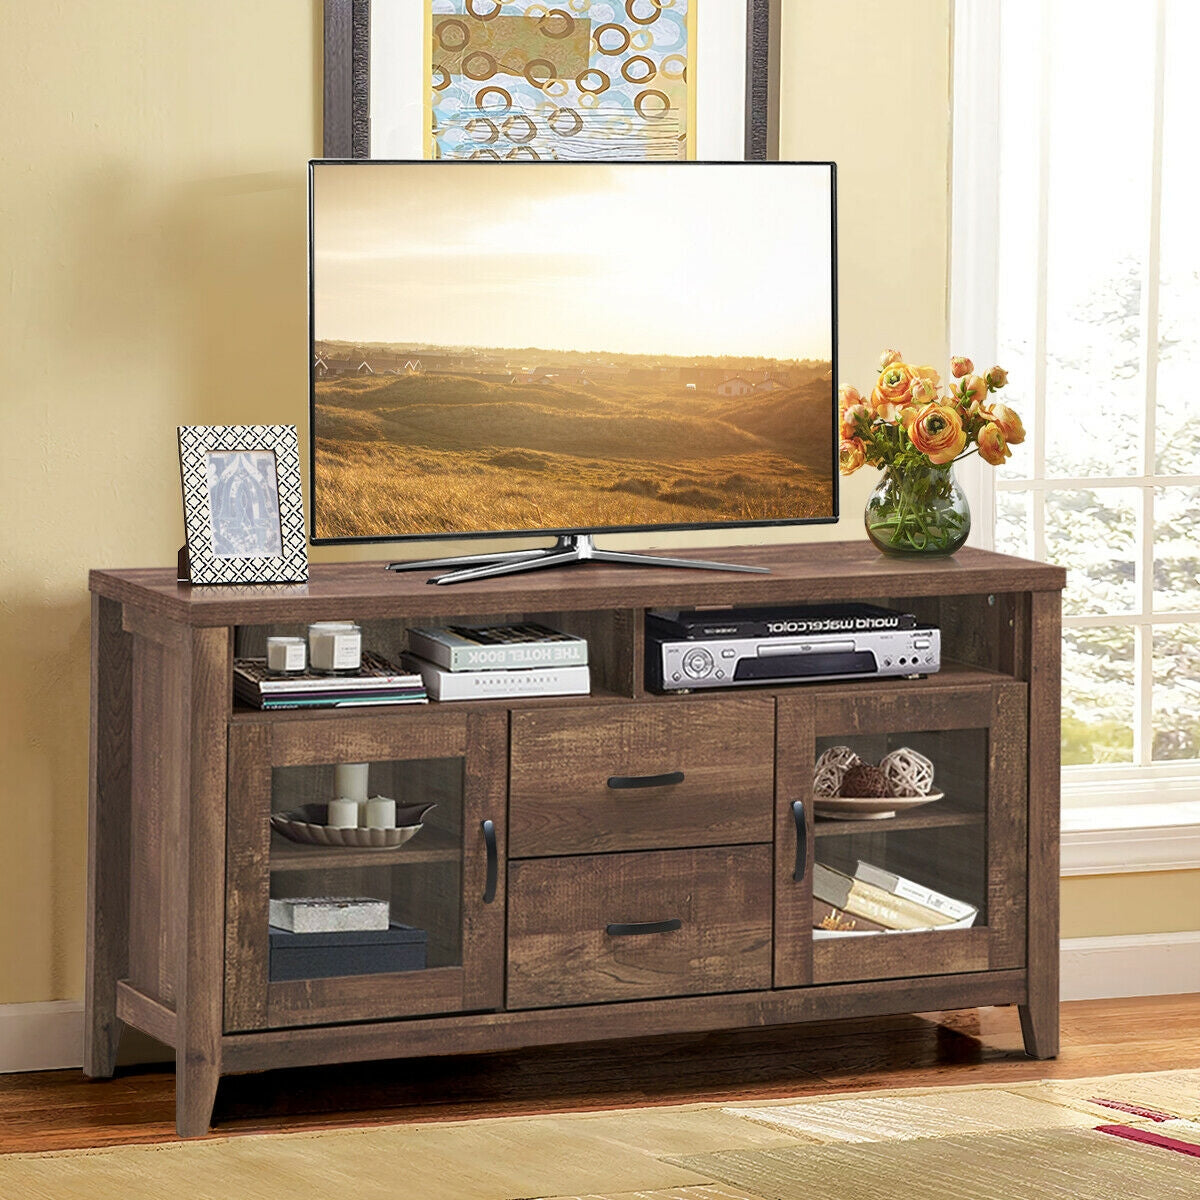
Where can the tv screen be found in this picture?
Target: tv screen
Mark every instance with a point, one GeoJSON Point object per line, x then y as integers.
{"type": "Point", "coordinates": [563, 347]}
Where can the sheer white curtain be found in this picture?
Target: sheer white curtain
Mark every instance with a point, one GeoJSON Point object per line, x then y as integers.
{"type": "Point", "coordinates": [1076, 264]}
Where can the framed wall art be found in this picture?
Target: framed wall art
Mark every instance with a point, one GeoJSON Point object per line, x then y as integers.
{"type": "Point", "coordinates": [242, 505]}
{"type": "Point", "coordinates": [577, 79]}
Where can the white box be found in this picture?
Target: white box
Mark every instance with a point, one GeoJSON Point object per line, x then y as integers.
{"type": "Point", "coordinates": [329, 914]}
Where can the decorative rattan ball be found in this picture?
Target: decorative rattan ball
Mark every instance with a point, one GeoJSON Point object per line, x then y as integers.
{"type": "Point", "coordinates": [831, 766]}
{"type": "Point", "coordinates": [908, 773]}
{"type": "Point", "coordinates": [864, 781]}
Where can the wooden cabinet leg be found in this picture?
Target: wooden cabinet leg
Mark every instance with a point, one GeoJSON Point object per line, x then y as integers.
{"type": "Point", "coordinates": [199, 914]}
{"type": "Point", "coordinates": [108, 837]}
{"type": "Point", "coordinates": [195, 1093]}
{"type": "Point", "coordinates": [1039, 1026]}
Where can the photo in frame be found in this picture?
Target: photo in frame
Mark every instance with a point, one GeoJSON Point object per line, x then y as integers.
{"type": "Point", "coordinates": [242, 505]}
{"type": "Point", "coordinates": [628, 79]}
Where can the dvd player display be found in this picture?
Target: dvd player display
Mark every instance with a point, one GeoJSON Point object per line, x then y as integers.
{"type": "Point", "coordinates": [744, 647]}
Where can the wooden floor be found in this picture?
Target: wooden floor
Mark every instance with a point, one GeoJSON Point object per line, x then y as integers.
{"type": "Point", "coordinates": [60, 1109]}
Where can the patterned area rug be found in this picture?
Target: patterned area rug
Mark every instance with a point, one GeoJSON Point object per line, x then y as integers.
{"type": "Point", "coordinates": [1120, 1137]}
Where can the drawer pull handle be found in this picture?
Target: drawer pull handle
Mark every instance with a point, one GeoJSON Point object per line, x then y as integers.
{"type": "Point", "coordinates": [619, 782]}
{"type": "Point", "coordinates": [801, 840]}
{"type": "Point", "coordinates": [620, 930]}
{"type": "Point", "coordinates": [489, 840]}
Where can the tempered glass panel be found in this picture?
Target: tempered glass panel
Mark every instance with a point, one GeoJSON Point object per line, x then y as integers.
{"type": "Point", "coordinates": [1178, 432]}
{"type": "Point", "coordinates": [1014, 531]}
{"type": "Point", "coordinates": [1092, 534]}
{"type": "Point", "coordinates": [1176, 550]}
{"type": "Point", "coordinates": [1097, 695]}
{"type": "Point", "coordinates": [1101, 119]}
{"type": "Point", "coordinates": [1176, 693]}
{"type": "Point", "coordinates": [941, 846]}
{"type": "Point", "coordinates": [419, 883]}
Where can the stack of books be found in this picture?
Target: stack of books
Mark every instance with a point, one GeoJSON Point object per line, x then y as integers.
{"type": "Point", "coordinates": [376, 682]}
{"type": "Point", "coordinates": [877, 901]}
{"type": "Point", "coordinates": [460, 662]}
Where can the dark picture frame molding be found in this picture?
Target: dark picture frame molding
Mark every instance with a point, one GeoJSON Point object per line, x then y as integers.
{"type": "Point", "coordinates": [347, 132]}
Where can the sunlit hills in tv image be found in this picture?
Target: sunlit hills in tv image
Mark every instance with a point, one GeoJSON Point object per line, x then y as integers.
{"type": "Point", "coordinates": [421, 439]}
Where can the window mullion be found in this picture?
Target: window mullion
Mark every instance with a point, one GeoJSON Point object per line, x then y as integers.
{"type": "Point", "coordinates": [1038, 498]}
{"type": "Point", "coordinates": [1144, 655]}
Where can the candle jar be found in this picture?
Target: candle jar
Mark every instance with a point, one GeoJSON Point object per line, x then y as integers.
{"type": "Point", "coordinates": [286, 655]}
{"type": "Point", "coordinates": [334, 647]}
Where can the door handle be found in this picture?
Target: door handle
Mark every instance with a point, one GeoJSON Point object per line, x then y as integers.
{"type": "Point", "coordinates": [637, 927]}
{"type": "Point", "coordinates": [620, 782]}
{"type": "Point", "coordinates": [493, 864]}
{"type": "Point", "coordinates": [801, 840]}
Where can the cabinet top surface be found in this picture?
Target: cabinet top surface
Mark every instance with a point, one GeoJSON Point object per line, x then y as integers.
{"type": "Point", "coordinates": [808, 573]}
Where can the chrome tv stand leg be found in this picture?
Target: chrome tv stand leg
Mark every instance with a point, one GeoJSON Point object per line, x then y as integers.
{"type": "Point", "coordinates": [570, 548]}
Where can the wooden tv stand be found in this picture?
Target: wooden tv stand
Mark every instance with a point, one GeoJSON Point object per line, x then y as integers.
{"type": "Point", "coordinates": [612, 912]}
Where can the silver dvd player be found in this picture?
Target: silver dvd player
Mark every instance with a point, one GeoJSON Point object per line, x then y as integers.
{"type": "Point", "coordinates": [676, 664]}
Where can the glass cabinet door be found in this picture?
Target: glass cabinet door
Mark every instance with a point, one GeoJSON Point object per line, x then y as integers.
{"type": "Point", "coordinates": [870, 883]}
{"type": "Point", "coordinates": [334, 923]}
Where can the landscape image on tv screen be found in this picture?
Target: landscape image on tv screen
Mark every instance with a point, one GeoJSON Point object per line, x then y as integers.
{"type": "Point", "coordinates": [570, 346]}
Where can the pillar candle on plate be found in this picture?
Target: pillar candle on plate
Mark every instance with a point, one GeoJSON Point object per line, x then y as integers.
{"type": "Point", "coordinates": [381, 813]}
{"type": "Point", "coordinates": [343, 814]}
{"type": "Point", "coordinates": [350, 781]}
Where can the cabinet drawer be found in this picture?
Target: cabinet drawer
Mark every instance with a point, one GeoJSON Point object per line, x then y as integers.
{"type": "Point", "coordinates": [641, 776]}
{"type": "Point", "coordinates": [632, 926]}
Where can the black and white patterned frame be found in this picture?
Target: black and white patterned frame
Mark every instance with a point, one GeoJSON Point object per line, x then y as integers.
{"type": "Point", "coordinates": [195, 444]}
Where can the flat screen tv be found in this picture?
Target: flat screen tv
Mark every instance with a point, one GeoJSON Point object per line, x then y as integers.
{"type": "Point", "coordinates": [570, 348]}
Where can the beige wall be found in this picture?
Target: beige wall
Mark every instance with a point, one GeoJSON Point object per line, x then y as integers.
{"type": "Point", "coordinates": [152, 200]}
{"type": "Point", "coordinates": [152, 194]}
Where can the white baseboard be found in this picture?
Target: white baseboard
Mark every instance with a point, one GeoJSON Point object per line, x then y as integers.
{"type": "Point", "coordinates": [1146, 964]}
{"type": "Point", "coordinates": [48, 1036]}
{"type": "Point", "coordinates": [41, 1037]}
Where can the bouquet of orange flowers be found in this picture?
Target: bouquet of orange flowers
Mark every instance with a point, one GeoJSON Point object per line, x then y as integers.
{"type": "Point", "coordinates": [914, 431]}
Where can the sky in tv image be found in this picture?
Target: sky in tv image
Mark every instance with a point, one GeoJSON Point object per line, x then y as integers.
{"type": "Point", "coordinates": [570, 346]}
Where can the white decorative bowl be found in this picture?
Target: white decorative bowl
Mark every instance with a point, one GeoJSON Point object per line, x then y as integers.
{"type": "Point", "coordinates": [308, 825]}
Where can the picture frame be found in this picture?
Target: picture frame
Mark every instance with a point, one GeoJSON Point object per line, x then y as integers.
{"type": "Point", "coordinates": [739, 118]}
{"type": "Point", "coordinates": [242, 504]}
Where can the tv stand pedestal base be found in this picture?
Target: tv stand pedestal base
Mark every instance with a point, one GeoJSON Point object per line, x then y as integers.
{"type": "Point", "coordinates": [570, 548]}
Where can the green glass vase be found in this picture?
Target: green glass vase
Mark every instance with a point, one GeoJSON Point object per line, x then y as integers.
{"type": "Point", "coordinates": [918, 510]}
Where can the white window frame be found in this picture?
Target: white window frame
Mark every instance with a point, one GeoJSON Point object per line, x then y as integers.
{"type": "Point", "coordinates": [1101, 797]}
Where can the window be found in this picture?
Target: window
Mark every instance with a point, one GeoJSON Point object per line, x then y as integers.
{"type": "Point", "coordinates": [1074, 132]}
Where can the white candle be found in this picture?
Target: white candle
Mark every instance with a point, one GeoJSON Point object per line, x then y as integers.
{"type": "Point", "coordinates": [350, 780]}
{"type": "Point", "coordinates": [286, 654]}
{"type": "Point", "coordinates": [343, 814]}
{"type": "Point", "coordinates": [335, 646]}
{"type": "Point", "coordinates": [381, 813]}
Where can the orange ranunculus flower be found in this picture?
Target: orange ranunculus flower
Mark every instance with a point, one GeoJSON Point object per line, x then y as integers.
{"type": "Point", "coordinates": [892, 389]}
{"type": "Point", "coordinates": [993, 447]}
{"type": "Point", "coordinates": [972, 390]}
{"type": "Point", "coordinates": [1008, 423]}
{"type": "Point", "coordinates": [923, 389]}
{"type": "Point", "coordinates": [852, 453]}
{"type": "Point", "coordinates": [960, 367]}
{"type": "Point", "coordinates": [996, 378]}
{"type": "Point", "coordinates": [938, 433]}
{"type": "Point", "coordinates": [888, 357]}
{"type": "Point", "coordinates": [850, 395]}
{"type": "Point", "coordinates": [851, 417]}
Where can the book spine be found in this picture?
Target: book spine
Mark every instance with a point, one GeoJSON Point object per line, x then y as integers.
{"type": "Point", "coordinates": [520, 656]}
{"type": "Point", "coordinates": [889, 910]}
{"type": "Point", "coordinates": [897, 885]}
{"type": "Point", "coordinates": [480, 685]}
